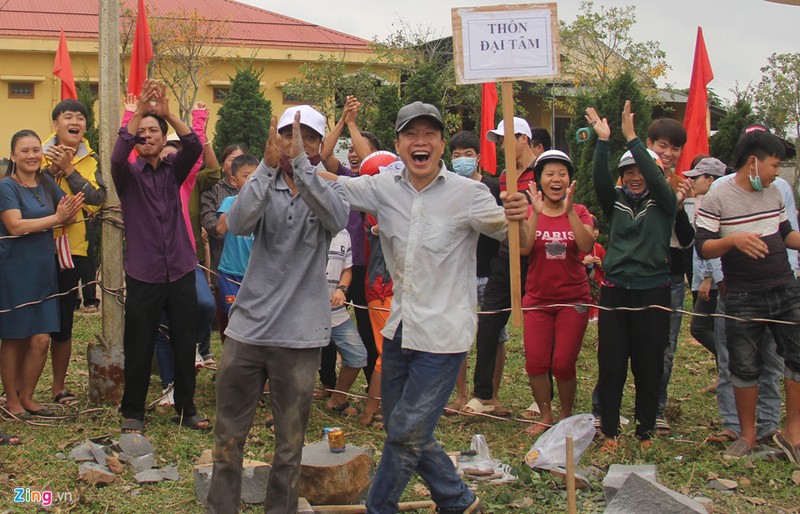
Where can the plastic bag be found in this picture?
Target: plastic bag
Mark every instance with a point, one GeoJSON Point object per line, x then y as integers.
{"type": "Point", "coordinates": [550, 450]}
{"type": "Point", "coordinates": [482, 460]}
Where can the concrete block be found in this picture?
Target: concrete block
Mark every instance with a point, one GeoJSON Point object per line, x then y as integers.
{"type": "Point", "coordinates": [617, 474]}
{"type": "Point", "coordinates": [639, 494]}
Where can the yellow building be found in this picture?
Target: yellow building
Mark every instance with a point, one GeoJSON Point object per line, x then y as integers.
{"type": "Point", "coordinates": [276, 45]}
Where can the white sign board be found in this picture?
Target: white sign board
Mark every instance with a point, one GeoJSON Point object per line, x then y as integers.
{"type": "Point", "coordinates": [506, 42]}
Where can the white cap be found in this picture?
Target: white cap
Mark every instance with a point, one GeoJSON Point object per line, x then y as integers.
{"type": "Point", "coordinates": [627, 159]}
{"type": "Point", "coordinates": [309, 117]}
{"type": "Point", "coordinates": [520, 127]}
{"type": "Point", "coordinates": [552, 155]}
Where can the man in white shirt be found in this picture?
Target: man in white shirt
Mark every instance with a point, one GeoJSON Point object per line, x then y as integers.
{"type": "Point", "coordinates": [430, 220]}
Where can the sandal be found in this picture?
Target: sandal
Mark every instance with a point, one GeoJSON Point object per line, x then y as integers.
{"type": "Point", "coordinates": [9, 440]}
{"type": "Point", "coordinates": [501, 411]}
{"type": "Point", "coordinates": [132, 426]}
{"type": "Point", "coordinates": [532, 412]}
{"type": "Point", "coordinates": [790, 451]}
{"type": "Point", "coordinates": [536, 429]}
{"type": "Point", "coordinates": [662, 427]}
{"type": "Point", "coordinates": [194, 421]}
{"type": "Point", "coordinates": [375, 420]}
{"type": "Point", "coordinates": [42, 413]}
{"type": "Point", "coordinates": [345, 409]}
{"type": "Point", "coordinates": [740, 448]}
{"type": "Point", "coordinates": [475, 406]}
{"type": "Point", "coordinates": [454, 407]}
{"type": "Point", "coordinates": [90, 309]}
{"type": "Point", "coordinates": [610, 446]}
{"type": "Point", "coordinates": [723, 437]}
{"type": "Point", "coordinates": [65, 398]}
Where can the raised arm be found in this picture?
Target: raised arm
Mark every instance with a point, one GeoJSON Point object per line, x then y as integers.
{"type": "Point", "coordinates": [604, 183]}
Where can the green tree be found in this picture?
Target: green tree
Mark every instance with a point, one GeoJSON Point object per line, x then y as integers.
{"type": "Point", "coordinates": [597, 47]}
{"type": "Point", "coordinates": [739, 115]}
{"type": "Point", "coordinates": [244, 115]}
{"type": "Point", "coordinates": [609, 103]}
{"type": "Point", "coordinates": [388, 103]}
{"type": "Point", "coordinates": [87, 97]}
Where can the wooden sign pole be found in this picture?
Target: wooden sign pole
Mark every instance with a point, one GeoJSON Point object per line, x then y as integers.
{"type": "Point", "coordinates": [512, 174]}
{"type": "Point", "coordinates": [572, 500]}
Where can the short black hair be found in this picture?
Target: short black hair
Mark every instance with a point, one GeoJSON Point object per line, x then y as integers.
{"type": "Point", "coordinates": [232, 148]}
{"type": "Point", "coordinates": [69, 105]}
{"type": "Point", "coordinates": [759, 143]}
{"type": "Point", "coordinates": [669, 129]}
{"type": "Point", "coordinates": [243, 160]}
{"type": "Point", "coordinates": [162, 123]}
{"type": "Point", "coordinates": [540, 136]}
{"type": "Point", "coordinates": [465, 140]}
{"type": "Point", "coordinates": [373, 140]}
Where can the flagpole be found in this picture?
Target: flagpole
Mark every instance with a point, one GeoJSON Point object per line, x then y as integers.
{"type": "Point", "coordinates": [512, 174]}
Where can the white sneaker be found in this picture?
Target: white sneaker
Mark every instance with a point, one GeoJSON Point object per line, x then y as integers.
{"type": "Point", "coordinates": [168, 397]}
{"type": "Point", "coordinates": [198, 360]}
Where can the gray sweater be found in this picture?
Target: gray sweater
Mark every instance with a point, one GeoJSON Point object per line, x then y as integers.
{"type": "Point", "coordinates": [283, 300]}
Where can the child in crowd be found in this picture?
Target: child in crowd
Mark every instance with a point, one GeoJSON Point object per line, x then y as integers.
{"type": "Point", "coordinates": [236, 249]}
{"type": "Point", "coordinates": [744, 222]}
{"type": "Point", "coordinates": [343, 331]}
{"type": "Point", "coordinates": [641, 214]}
{"type": "Point", "coordinates": [594, 269]}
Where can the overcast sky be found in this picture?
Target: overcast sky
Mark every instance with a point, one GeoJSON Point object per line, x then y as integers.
{"type": "Point", "coordinates": [739, 34]}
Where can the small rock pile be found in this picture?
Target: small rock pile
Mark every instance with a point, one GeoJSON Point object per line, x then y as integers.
{"type": "Point", "coordinates": [101, 465]}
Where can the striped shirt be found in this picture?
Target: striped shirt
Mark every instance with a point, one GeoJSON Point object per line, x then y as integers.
{"type": "Point", "coordinates": [340, 258]}
{"type": "Point", "coordinates": [729, 209]}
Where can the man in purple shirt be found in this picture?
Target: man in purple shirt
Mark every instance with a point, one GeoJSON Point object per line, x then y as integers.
{"type": "Point", "coordinates": [160, 260]}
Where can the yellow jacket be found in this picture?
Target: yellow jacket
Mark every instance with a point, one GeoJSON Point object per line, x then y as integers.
{"type": "Point", "coordinates": [86, 179]}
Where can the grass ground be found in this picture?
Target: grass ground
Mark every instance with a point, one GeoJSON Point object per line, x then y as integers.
{"type": "Point", "coordinates": [684, 464]}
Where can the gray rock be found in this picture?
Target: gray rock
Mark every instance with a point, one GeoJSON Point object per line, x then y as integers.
{"type": "Point", "coordinates": [148, 476]}
{"type": "Point", "coordinates": [617, 474]}
{"type": "Point", "coordinates": [170, 473]}
{"type": "Point", "coordinates": [135, 445]}
{"type": "Point", "coordinates": [95, 474]}
{"type": "Point", "coordinates": [61, 456]}
{"type": "Point", "coordinates": [98, 452]}
{"type": "Point", "coordinates": [722, 484]}
{"type": "Point", "coordinates": [255, 476]}
{"type": "Point", "coordinates": [639, 494]}
{"type": "Point", "coordinates": [81, 453]}
{"type": "Point", "coordinates": [124, 457]}
{"type": "Point", "coordinates": [143, 463]}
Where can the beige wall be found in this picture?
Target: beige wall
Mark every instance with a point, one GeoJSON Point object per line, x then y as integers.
{"type": "Point", "coordinates": [32, 61]}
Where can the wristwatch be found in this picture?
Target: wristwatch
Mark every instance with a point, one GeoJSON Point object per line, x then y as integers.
{"type": "Point", "coordinates": [342, 288]}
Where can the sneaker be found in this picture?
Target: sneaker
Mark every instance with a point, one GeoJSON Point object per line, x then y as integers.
{"type": "Point", "coordinates": [662, 427]}
{"type": "Point", "coordinates": [198, 360]}
{"type": "Point", "coordinates": [168, 397]}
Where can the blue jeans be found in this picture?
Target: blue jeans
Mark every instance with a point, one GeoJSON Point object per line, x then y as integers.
{"type": "Point", "coordinates": [768, 408]}
{"type": "Point", "coordinates": [677, 293]}
{"type": "Point", "coordinates": [415, 387]}
{"type": "Point", "coordinates": [348, 342]}
{"type": "Point", "coordinates": [206, 309]}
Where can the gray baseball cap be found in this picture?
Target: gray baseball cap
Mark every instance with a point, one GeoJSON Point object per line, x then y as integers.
{"type": "Point", "coordinates": [416, 110]}
{"type": "Point", "coordinates": [707, 166]}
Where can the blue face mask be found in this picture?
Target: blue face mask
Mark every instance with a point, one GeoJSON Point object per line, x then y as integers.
{"type": "Point", "coordinates": [465, 166]}
{"type": "Point", "coordinates": [756, 181]}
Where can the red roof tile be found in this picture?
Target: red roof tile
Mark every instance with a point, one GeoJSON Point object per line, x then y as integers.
{"type": "Point", "coordinates": [249, 26]}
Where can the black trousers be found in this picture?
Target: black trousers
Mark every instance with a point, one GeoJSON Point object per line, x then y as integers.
{"type": "Point", "coordinates": [640, 336]}
{"type": "Point", "coordinates": [358, 296]}
{"type": "Point", "coordinates": [701, 327]}
{"type": "Point", "coordinates": [327, 366]}
{"type": "Point", "coordinates": [144, 304]}
{"type": "Point", "coordinates": [497, 295]}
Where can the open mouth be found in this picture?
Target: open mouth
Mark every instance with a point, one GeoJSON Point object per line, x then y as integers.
{"type": "Point", "coordinates": [420, 157]}
{"type": "Point", "coordinates": [74, 131]}
{"type": "Point", "coordinates": [355, 162]}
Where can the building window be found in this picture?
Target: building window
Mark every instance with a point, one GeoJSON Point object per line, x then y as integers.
{"type": "Point", "coordinates": [20, 89]}
{"type": "Point", "coordinates": [290, 99]}
{"type": "Point", "coordinates": [220, 93]}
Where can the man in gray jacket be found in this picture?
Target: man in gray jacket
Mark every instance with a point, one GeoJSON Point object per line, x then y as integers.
{"type": "Point", "coordinates": [281, 316]}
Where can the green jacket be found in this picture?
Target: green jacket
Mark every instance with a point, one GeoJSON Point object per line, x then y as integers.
{"type": "Point", "coordinates": [637, 256]}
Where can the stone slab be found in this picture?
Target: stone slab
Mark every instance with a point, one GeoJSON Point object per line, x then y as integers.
{"type": "Point", "coordinates": [617, 474]}
{"type": "Point", "coordinates": [81, 453]}
{"type": "Point", "coordinates": [143, 463]}
{"type": "Point", "coordinates": [639, 494]}
{"type": "Point", "coordinates": [135, 445]}
{"type": "Point", "coordinates": [148, 476]}
{"type": "Point", "coordinates": [95, 474]}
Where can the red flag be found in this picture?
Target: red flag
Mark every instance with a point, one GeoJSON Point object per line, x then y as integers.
{"type": "Point", "coordinates": [142, 52]}
{"type": "Point", "coordinates": [62, 68]}
{"type": "Point", "coordinates": [695, 121]}
{"type": "Point", "coordinates": [488, 106]}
